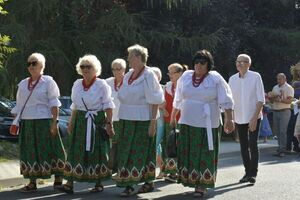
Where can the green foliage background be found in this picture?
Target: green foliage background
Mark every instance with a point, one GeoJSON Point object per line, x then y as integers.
{"type": "Point", "coordinates": [172, 30]}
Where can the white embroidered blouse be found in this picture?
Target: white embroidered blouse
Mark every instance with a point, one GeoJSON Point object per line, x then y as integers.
{"type": "Point", "coordinates": [111, 82]}
{"type": "Point", "coordinates": [197, 104]}
{"type": "Point", "coordinates": [97, 98]}
{"type": "Point", "coordinates": [44, 96]}
{"type": "Point", "coordinates": [135, 99]}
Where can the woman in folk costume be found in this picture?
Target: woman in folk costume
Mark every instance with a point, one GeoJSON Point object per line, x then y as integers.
{"type": "Point", "coordinates": [87, 159]}
{"type": "Point", "coordinates": [139, 96]}
{"type": "Point", "coordinates": [41, 150]}
{"type": "Point", "coordinates": [199, 95]}
{"type": "Point", "coordinates": [170, 164]}
{"type": "Point", "coordinates": [118, 67]}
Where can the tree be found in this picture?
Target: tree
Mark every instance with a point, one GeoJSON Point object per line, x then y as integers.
{"type": "Point", "coordinates": [5, 49]}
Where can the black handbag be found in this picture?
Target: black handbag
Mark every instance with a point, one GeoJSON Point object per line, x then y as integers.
{"type": "Point", "coordinates": [172, 143]}
{"type": "Point", "coordinates": [103, 133]}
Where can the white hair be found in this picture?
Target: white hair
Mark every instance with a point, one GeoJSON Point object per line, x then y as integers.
{"type": "Point", "coordinates": [89, 59]}
{"type": "Point", "coordinates": [157, 73]}
{"type": "Point", "coordinates": [120, 62]}
{"type": "Point", "coordinates": [40, 58]}
{"type": "Point", "coordinates": [139, 50]}
{"type": "Point", "coordinates": [245, 56]}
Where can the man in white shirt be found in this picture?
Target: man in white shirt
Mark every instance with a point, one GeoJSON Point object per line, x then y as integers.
{"type": "Point", "coordinates": [249, 96]}
{"type": "Point", "coordinates": [281, 97]}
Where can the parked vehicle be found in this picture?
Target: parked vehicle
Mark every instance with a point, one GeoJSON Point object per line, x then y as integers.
{"type": "Point", "coordinates": [6, 119]}
{"type": "Point", "coordinates": [65, 104]}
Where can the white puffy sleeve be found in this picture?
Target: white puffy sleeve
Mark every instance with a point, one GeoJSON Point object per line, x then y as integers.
{"type": "Point", "coordinates": [53, 93]}
{"type": "Point", "coordinates": [225, 99]}
{"type": "Point", "coordinates": [153, 91]}
{"type": "Point", "coordinates": [178, 93]}
{"type": "Point", "coordinates": [107, 100]}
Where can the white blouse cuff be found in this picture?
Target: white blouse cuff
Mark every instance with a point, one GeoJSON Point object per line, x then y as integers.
{"type": "Point", "coordinates": [54, 103]}
{"type": "Point", "coordinates": [15, 110]}
{"type": "Point", "coordinates": [108, 105]}
{"type": "Point", "coordinates": [226, 106]}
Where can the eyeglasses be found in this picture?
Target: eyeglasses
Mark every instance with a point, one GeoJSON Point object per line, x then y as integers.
{"type": "Point", "coordinates": [201, 61]}
{"type": "Point", "coordinates": [85, 66]}
{"type": "Point", "coordinates": [241, 62]}
{"type": "Point", "coordinates": [32, 63]}
{"type": "Point", "coordinates": [116, 69]}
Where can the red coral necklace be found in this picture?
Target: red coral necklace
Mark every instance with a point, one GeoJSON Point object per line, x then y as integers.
{"type": "Point", "coordinates": [86, 86]}
{"type": "Point", "coordinates": [117, 87]}
{"type": "Point", "coordinates": [31, 85]}
{"type": "Point", "coordinates": [198, 81]}
{"type": "Point", "coordinates": [131, 79]}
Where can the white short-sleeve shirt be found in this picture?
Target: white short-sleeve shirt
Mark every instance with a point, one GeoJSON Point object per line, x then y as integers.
{"type": "Point", "coordinates": [246, 91]}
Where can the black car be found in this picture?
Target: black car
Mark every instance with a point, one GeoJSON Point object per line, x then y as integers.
{"type": "Point", "coordinates": [65, 104]}
{"type": "Point", "coordinates": [6, 119]}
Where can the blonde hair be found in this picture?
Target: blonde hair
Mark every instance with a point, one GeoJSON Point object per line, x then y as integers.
{"type": "Point", "coordinates": [120, 62]}
{"type": "Point", "coordinates": [40, 58]}
{"type": "Point", "coordinates": [178, 67]}
{"type": "Point", "coordinates": [245, 56]}
{"type": "Point", "coordinates": [90, 59]}
{"type": "Point", "coordinates": [139, 50]}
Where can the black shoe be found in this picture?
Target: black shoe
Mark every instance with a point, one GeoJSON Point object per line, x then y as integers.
{"type": "Point", "coordinates": [252, 179]}
{"type": "Point", "coordinates": [245, 179]}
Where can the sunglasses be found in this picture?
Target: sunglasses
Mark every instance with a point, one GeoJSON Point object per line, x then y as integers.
{"type": "Point", "coordinates": [85, 66]}
{"type": "Point", "coordinates": [241, 62]}
{"type": "Point", "coordinates": [33, 63]}
{"type": "Point", "coordinates": [201, 61]}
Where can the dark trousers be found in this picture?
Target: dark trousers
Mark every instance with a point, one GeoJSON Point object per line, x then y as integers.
{"type": "Point", "coordinates": [249, 149]}
{"type": "Point", "coordinates": [291, 139]}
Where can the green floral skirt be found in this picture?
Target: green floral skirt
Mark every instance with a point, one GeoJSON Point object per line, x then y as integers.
{"type": "Point", "coordinates": [197, 165]}
{"type": "Point", "coordinates": [82, 165]}
{"type": "Point", "coordinates": [136, 154]}
{"type": "Point", "coordinates": [41, 155]}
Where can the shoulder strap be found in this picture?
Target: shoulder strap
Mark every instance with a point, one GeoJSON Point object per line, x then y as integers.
{"type": "Point", "coordinates": [28, 97]}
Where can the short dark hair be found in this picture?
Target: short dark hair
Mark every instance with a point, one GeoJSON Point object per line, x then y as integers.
{"type": "Point", "coordinates": [204, 54]}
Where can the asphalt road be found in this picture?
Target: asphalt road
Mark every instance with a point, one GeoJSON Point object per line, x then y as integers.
{"type": "Point", "coordinates": [278, 179]}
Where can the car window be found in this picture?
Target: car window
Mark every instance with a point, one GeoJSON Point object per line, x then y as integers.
{"type": "Point", "coordinates": [6, 103]}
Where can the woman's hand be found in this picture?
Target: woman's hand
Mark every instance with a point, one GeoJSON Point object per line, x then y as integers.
{"type": "Point", "coordinates": [54, 128]}
{"type": "Point", "coordinates": [110, 129]}
{"type": "Point", "coordinates": [152, 128]}
{"type": "Point", "coordinates": [173, 123]}
{"type": "Point", "coordinates": [70, 127]}
{"type": "Point", "coordinates": [229, 126]}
